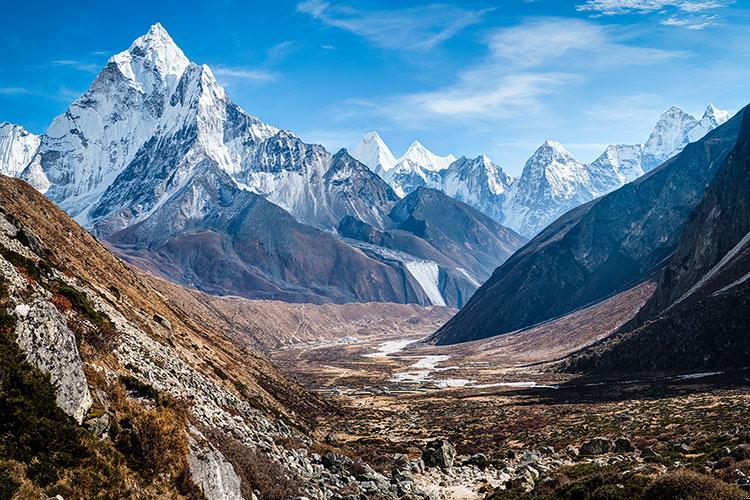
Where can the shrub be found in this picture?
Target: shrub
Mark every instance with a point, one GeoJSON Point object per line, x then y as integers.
{"type": "Point", "coordinates": [139, 388]}
{"type": "Point", "coordinates": [82, 304]}
{"type": "Point", "coordinates": [162, 442]}
{"type": "Point", "coordinates": [691, 485]}
{"type": "Point", "coordinates": [257, 471]}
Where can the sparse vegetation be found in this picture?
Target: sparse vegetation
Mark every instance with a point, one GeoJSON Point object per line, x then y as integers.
{"type": "Point", "coordinates": [139, 388]}
{"type": "Point", "coordinates": [691, 485]}
{"type": "Point", "coordinates": [256, 470]}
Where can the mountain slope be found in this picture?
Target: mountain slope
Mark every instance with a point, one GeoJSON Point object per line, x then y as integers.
{"type": "Point", "coordinates": [597, 249]}
{"type": "Point", "coordinates": [444, 244]}
{"type": "Point", "coordinates": [696, 318]}
{"type": "Point", "coordinates": [219, 239]}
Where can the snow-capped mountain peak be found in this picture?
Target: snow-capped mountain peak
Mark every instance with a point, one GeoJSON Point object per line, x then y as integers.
{"type": "Point", "coordinates": [669, 134]}
{"type": "Point", "coordinates": [426, 159]}
{"type": "Point", "coordinates": [373, 152]}
{"type": "Point", "coordinates": [712, 118]}
{"type": "Point", "coordinates": [152, 59]}
{"type": "Point", "coordinates": [716, 115]}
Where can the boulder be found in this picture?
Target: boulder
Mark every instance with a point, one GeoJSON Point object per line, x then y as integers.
{"type": "Point", "coordinates": [623, 445]}
{"type": "Point", "coordinates": [210, 471]}
{"type": "Point", "coordinates": [44, 336]}
{"type": "Point", "coordinates": [439, 453]}
{"type": "Point", "coordinates": [597, 446]}
{"type": "Point", "coordinates": [649, 453]}
{"type": "Point", "coordinates": [478, 460]}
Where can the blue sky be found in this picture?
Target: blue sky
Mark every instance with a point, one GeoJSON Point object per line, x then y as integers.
{"type": "Point", "coordinates": [465, 77]}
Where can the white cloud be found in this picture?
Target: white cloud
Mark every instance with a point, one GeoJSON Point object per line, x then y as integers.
{"type": "Point", "coordinates": [538, 41]}
{"type": "Point", "coordinates": [247, 74]}
{"type": "Point", "coordinates": [485, 93]}
{"type": "Point", "coordinates": [524, 64]}
{"type": "Point", "coordinates": [281, 50]}
{"type": "Point", "coordinates": [692, 22]}
{"type": "Point", "coordinates": [613, 7]}
{"type": "Point", "coordinates": [416, 28]}
{"type": "Point", "coordinates": [84, 66]}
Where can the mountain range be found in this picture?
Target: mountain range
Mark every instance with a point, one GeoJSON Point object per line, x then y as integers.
{"type": "Point", "coordinates": [552, 182]}
{"type": "Point", "coordinates": [665, 227]}
{"type": "Point", "coordinates": [157, 160]}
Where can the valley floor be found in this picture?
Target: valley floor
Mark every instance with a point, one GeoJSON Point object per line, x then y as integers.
{"type": "Point", "coordinates": [394, 394]}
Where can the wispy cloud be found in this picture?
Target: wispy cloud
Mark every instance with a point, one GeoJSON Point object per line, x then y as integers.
{"type": "Point", "coordinates": [243, 73]}
{"type": "Point", "coordinates": [614, 7]}
{"type": "Point", "coordinates": [281, 50]}
{"type": "Point", "coordinates": [543, 40]}
{"type": "Point", "coordinates": [86, 67]}
{"type": "Point", "coordinates": [691, 22]}
{"type": "Point", "coordinates": [416, 28]}
{"type": "Point", "coordinates": [15, 91]}
{"type": "Point", "coordinates": [61, 94]}
{"type": "Point", "coordinates": [524, 63]}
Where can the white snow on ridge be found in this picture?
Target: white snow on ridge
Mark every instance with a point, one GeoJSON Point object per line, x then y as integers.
{"type": "Point", "coordinates": [427, 275]}
{"type": "Point", "coordinates": [17, 146]}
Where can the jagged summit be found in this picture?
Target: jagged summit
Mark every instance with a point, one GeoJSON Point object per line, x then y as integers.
{"type": "Point", "coordinates": [373, 152]}
{"type": "Point", "coordinates": [153, 52]}
{"type": "Point", "coordinates": [426, 159]}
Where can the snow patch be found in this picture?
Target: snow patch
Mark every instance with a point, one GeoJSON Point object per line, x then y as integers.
{"type": "Point", "coordinates": [427, 275]}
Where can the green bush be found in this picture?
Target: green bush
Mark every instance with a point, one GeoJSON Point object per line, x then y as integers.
{"type": "Point", "coordinates": [82, 304]}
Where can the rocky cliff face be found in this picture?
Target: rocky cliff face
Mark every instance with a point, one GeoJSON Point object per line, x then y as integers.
{"type": "Point", "coordinates": [597, 249]}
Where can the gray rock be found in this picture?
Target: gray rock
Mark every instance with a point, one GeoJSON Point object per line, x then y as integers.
{"type": "Point", "coordinates": [722, 452]}
{"type": "Point", "coordinates": [98, 426]}
{"type": "Point", "coordinates": [649, 453]}
{"type": "Point", "coordinates": [439, 453]}
{"type": "Point", "coordinates": [623, 445]}
{"type": "Point", "coordinates": [478, 460]}
{"type": "Point", "coordinates": [682, 448]}
{"type": "Point", "coordinates": [162, 321]}
{"type": "Point", "coordinates": [210, 471]}
{"type": "Point", "coordinates": [597, 446]}
{"type": "Point", "coordinates": [48, 343]}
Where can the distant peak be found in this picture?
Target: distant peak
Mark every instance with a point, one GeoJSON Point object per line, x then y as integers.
{"type": "Point", "coordinates": [720, 115]}
{"type": "Point", "coordinates": [417, 146]}
{"type": "Point", "coordinates": [372, 136]}
{"type": "Point", "coordinates": [553, 145]}
{"type": "Point", "coordinates": [157, 29]}
{"type": "Point", "coordinates": [675, 111]}
{"type": "Point", "coordinates": [419, 155]}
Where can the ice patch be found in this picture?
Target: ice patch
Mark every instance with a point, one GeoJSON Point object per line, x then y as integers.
{"type": "Point", "coordinates": [691, 376]}
{"type": "Point", "coordinates": [427, 273]}
{"type": "Point", "coordinates": [392, 346]}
